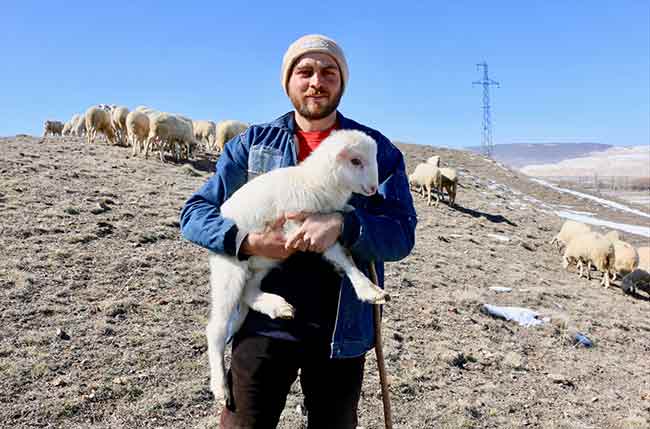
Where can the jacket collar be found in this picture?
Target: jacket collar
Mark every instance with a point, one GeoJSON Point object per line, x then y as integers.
{"type": "Point", "coordinates": [288, 122]}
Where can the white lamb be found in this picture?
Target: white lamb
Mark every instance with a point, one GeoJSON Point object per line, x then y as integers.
{"type": "Point", "coordinates": [343, 163]}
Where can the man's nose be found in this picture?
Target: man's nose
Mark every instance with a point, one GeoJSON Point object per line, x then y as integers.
{"type": "Point", "coordinates": [315, 80]}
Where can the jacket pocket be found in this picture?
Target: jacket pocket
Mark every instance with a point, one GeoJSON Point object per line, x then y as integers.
{"type": "Point", "coordinates": [262, 159]}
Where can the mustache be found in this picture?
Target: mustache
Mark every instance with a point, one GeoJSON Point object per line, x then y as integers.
{"type": "Point", "coordinates": [316, 92]}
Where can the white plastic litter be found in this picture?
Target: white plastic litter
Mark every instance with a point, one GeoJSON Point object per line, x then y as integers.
{"type": "Point", "coordinates": [500, 289]}
{"type": "Point", "coordinates": [524, 316]}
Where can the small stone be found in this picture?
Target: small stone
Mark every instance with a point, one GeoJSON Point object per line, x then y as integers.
{"type": "Point", "coordinates": [119, 380]}
{"type": "Point", "coordinates": [60, 333]}
{"type": "Point", "coordinates": [514, 360]}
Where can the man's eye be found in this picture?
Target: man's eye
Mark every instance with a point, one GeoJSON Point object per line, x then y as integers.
{"type": "Point", "coordinates": [356, 162]}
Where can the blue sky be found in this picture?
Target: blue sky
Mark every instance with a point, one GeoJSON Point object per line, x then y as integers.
{"type": "Point", "coordinates": [569, 71]}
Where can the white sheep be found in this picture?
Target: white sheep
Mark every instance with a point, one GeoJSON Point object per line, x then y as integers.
{"type": "Point", "coordinates": [626, 258]}
{"type": "Point", "coordinates": [343, 163]}
{"type": "Point", "coordinates": [449, 182]}
{"type": "Point", "coordinates": [137, 128]}
{"type": "Point", "coordinates": [79, 126]}
{"type": "Point", "coordinates": [52, 127]}
{"type": "Point", "coordinates": [593, 249]}
{"type": "Point", "coordinates": [67, 128]}
{"type": "Point", "coordinates": [170, 132]}
{"type": "Point", "coordinates": [118, 118]}
{"type": "Point", "coordinates": [226, 130]}
{"type": "Point", "coordinates": [613, 236]}
{"type": "Point", "coordinates": [434, 160]}
{"type": "Point", "coordinates": [570, 229]}
{"type": "Point", "coordinates": [205, 131]}
{"type": "Point", "coordinates": [644, 258]}
{"type": "Point", "coordinates": [98, 120]}
{"type": "Point", "coordinates": [428, 178]}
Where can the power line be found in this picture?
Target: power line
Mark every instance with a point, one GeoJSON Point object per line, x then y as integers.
{"type": "Point", "coordinates": [486, 132]}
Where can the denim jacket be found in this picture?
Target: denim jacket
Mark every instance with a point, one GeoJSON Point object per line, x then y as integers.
{"type": "Point", "coordinates": [380, 228]}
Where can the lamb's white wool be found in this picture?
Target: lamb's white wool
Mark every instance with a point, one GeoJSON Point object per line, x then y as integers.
{"type": "Point", "coordinates": [344, 163]}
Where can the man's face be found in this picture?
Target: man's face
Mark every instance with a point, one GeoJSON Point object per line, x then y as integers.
{"type": "Point", "coordinates": [315, 86]}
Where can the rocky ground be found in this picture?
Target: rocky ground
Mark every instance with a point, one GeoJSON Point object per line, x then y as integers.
{"type": "Point", "coordinates": [104, 305]}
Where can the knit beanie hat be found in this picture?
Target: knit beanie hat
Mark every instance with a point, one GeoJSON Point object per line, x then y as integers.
{"type": "Point", "coordinates": [313, 43]}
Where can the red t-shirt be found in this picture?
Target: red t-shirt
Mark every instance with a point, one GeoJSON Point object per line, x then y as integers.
{"type": "Point", "coordinates": [309, 140]}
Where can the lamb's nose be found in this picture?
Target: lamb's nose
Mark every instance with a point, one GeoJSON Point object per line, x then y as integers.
{"type": "Point", "coordinates": [372, 190]}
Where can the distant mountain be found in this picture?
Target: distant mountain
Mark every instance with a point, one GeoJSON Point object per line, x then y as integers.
{"type": "Point", "coordinates": [518, 155]}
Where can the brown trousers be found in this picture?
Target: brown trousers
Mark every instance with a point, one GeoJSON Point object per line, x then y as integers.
{"type": "Point", "coordinates": [263, 370]}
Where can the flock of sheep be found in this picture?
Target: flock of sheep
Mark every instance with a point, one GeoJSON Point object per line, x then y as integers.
{"type": "Point", "coordinates": [146, 129]}
{"type": "Point", "coordinates": [429, 179]}
{"type": "Point", "coordinates": [607, 253]}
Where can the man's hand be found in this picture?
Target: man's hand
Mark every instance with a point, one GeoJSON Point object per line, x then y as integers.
{"type": "Point", "coordinates": [271, 243]}
{"type": "Point", "coordinates": [317, 233]}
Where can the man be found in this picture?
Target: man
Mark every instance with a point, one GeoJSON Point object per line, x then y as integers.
{"type": "Point", "coordinates": [332, 330]}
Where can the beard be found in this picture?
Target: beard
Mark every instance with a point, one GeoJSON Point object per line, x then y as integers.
{"type": "Point", "coordinates": [315, 112]}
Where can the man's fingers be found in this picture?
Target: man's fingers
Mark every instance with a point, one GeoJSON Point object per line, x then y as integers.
{"type": "Point", "coordinates": [298, 216]}
{"type": "Point", "coordinates": [278, 223]}
{"type": "Point", "coordinates": [294, 239]}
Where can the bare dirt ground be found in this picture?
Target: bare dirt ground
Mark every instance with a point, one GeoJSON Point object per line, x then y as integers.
{"type": "Point", "coordinates": [104, 305]}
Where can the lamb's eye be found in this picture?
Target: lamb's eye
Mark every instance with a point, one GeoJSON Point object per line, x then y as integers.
{"type": "Point", "coordinates": [356, 162]}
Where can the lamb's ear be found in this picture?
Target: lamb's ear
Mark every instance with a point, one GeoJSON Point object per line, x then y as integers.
{"type": "Point", "coordinates": [344, 154]}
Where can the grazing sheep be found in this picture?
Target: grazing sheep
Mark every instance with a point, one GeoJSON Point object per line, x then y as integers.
{"type": "Point", "coordinates": [52, 127]}
{"type": "Point", "coordinates": [593, 249]}
{"type": "Point", "coordinates": [613, 236]}
{"type": "Point", "coordinates": [449, 182]}
{"type": "Point", "coordinates": [67, 128]}
{"type": "Point", "coordinates": [226, 130]}
{"type": "Point", "coordinates": [118, 118]}
{"type": "Point", "coordinates": [205, 131]}
{"type": "Point", "coordinates": [170, 132]}
{"type": "Point", "coordinates": [345, 162]}
{"type": "Point", "coordinates": [637, 279]}
{"type": "Point", "coordinates": [644, 258]}
{"type": "Point", "coordinates": [434, 160]}
{"type": "Point", "coordinates": [79, 126]}
{"type": "Point", "coordinates": [98, 120]}
{"type": "Point", "coordinates": [137, 128]}
{"type": "Point", "coordinates": [428, 177]}
{"type": "Point", "coordinates": [626, 258]}
{"type": "Point", "coordinates": [570, 230]}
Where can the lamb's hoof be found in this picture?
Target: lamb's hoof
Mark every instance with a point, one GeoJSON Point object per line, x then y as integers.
{"type": "Point", "coordinates": [374, 295]}
{"type": "Point", "coordinates": [284, 311]}
{"type": "Point", "coordinates": [220, 392]}
{"type": "Point", "coordinates": [275, 307]}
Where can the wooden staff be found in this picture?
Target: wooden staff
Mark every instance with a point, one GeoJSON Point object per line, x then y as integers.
{"type": "Point", "coordinates": [379, 350]}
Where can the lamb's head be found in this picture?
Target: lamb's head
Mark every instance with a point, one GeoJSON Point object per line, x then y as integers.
{"type": "Point", "coordinates": [356, 161]}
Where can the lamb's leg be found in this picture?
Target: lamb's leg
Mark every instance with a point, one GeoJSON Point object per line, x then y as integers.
{"type": "Point", "coordinates": [579, 266]}
{"type": "Point", "coordinates": [227, 280]}
{"type": "Point", "coordinates": [588, 270]}
{"type": "Point", "coordinates": [365, 289]}
{"type": "Point", "coordinates": [270, 304]}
